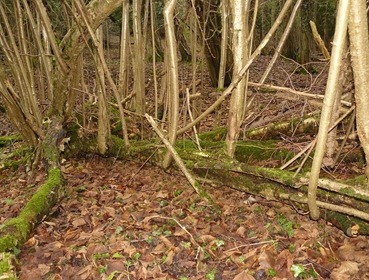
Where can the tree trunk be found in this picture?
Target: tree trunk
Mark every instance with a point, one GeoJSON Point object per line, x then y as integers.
{"type": "Point", "coordinates": [239, 12]}
{"type": "Point", "coordinates": [359, 47]}
{"type": "Point", "coordinates": [171, 63]}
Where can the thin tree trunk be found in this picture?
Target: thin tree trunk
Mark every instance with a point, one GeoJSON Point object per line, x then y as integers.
{"type": "Point", "coordinates": [172, 86]}
{"type": "Point", "coordinates": [124, 51]}
{"type": "Point", "coordinates": [329, 99]}
{"type": "Point", "coordinates": [103, 133]}
{"type": "Point", "coordinates": [224, 44]}
{"type": "Point", "coordinates": [359, 47]}
{"type": "Point", "coordinates": [239, 12]}
{"type": "Point", "coordinates": [138, 58]}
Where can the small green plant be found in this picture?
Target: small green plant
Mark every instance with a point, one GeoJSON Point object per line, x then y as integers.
{"type": "Point", "coordinates": [183, 278]}
{"type": "Point", "coordinates": [167, 233]}
{"type": "Point", "coordinates": [272, 272]}
{"type": "Point", "coordinates": [285, 224]}
{"type": "Point", "coordinates": [100, 256]}
{"type": "Point", "coordinates": [177, 193]}
{"type": "Point", "coordinates": [163, 203]}
{"type": "Point", "coordinates": [251, 233]}
{"type": "Point", "coordinates": [118, 230]}
{"type": "Point", "coordinates": [241, 259]}
{"type": "Point", "coordinates": [291, 248]}
{"type": "Point", "coordinates": [112, 275]}
{"type": "Point", "coordinates": [117, 256]}
{"type": "Point", "coordinates": [211, 274]}
{"type": "Point", "coordinates": [149, 239]}
{"type": "Point", "coordinates": [300, 272]}
{"type": "Point", "coordinates": [128, 263]}
{"type": "Point", "coordinates": [164, 259]}
{"type": "Point", "coordinates": [136, 256]}
{"type": "Point", "coordinates": [186, 245]}
{"type": "Point", "coordinates": [297, 270]}
{"type": "Point", "coordinates": [16, 251]}
{"type": "Point", "coordinates": [193, 206]}
{"type": "Point", "coordinates": [156, 232]}
{"type": "Point", "coordinates": [102, 269]}
{"type": "Point", "coordinates": [206, 255]}
{"type": "Point", "coordinates": [9, 201]}
{"type": "Point", "coordinates": [258, 209]}
{"type": "Point", "coordinates": [219, 243]}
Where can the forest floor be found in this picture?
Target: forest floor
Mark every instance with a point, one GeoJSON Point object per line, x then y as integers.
{"type": "Point", "coordinates": [129, 220]}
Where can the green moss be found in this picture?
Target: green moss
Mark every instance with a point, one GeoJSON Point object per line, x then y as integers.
{"type": "Point", "coordinates": [361, 180]}
{"type": "Point", "coordinates": [15, 231]}
{"type": "Point", "coordinates": [42, 196]}
{"type": "Point", "coordinates": [282, 176]}
{"type": "Point", "coordinates": [5, 140]}
{"type": "Point", "coordinates": [214, 135]}
{"type": "Point", "coordinates": [7, 242]}
{"type": "Point", "coordinates": [6, 266]}
{"type": "Point", "coordinates": [256, 151]}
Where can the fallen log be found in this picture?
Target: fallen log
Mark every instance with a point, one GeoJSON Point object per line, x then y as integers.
{"type": "Point", "coordinates": [345, 206]}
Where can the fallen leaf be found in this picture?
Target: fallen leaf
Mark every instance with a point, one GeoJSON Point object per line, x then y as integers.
{"type": "Point", "coordinates": [345, 271]}
{"type": "Point", "coordinates": [79, 222]}
{"type": "Point", "coordinates": [266, 260]}
{"type": "Point", "coordinates": [169, 258]}
{"type": "Point", "coordinates": [241, 231]}
{"type": "Point", "coordinates": [43, 268]}
{"type": "Point", "coordinates": [243, 276]}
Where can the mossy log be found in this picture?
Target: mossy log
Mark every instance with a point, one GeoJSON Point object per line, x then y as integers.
{"type": "Point", "coordinates": [15, 231]}
{"type": "Point", "coordinates": [346, 206]}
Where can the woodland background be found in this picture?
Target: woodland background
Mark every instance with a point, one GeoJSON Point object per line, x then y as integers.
{"type": "Point", "coordinates": [265, 96]}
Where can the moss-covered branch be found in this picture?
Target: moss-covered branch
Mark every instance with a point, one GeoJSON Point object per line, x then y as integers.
{"type": "Point", "coordinates": [15, 231]}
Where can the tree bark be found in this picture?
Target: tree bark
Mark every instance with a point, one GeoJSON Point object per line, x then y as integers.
{"type": "Point", "coordinates": [239, 12]}
{"type": "Point", "coordinates": [359, 48]}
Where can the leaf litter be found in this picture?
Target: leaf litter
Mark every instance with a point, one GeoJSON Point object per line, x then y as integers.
{"type": "Point", "coordinates": [120, 221]}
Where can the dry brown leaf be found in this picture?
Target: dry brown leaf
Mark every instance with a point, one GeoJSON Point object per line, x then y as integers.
{"type": "Point", "coordinates": [169, 258]}
{"type": "Point", "coordinates": [142, 273]}
{"type": "Point", "coordinates": [72, 233]}
{"type": "Point", "coordinates": [84, 273]}
{"type": "Point", "coordinates": [31, 242]}
{"type": "Point", "coordinates": [348, 252]}
{"type": "Point", "coordinates": [159, 249]}
{"type": "Point", "coordinates": [167, 242]}
{"type": "Point", "coordinates": [119, 246]}
{"type": "Point", "coordinates": [79, 222]}
{"type": "Point", "coordinates": [162, 194]}
{"type": "Point", "coordinates": [243, 276]}
{"type": "Point", "coordinates": [266, 260]}
{"type": "Point", "coordinates": [91, 194]}
{"type": "Point", "coordinates": [187, 264]}
{"type": "Point", "coordinates": [43, 268]}
{"type": "Point", "coordinates": [345, 271]}
{"type": "Point", "coordinates": [110, 211]}
{"type": "Point", "coordinates": [115, 265]}
{"type": "Point", "coordinates": [241, 231]}
{"type": "Point", "coordinates": [100, 249]}
{"type": "Point", "coordinates": [207, 238]}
